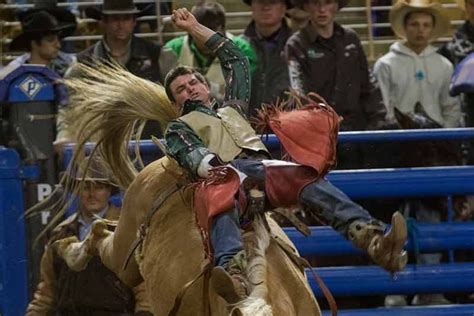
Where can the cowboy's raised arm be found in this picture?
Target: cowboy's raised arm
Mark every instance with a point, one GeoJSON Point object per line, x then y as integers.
{"type": "Point", "coordinates": [235, 65]}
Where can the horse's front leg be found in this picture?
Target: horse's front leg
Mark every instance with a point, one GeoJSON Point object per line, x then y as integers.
{"type": "Point", "coordinates": [77, 254]}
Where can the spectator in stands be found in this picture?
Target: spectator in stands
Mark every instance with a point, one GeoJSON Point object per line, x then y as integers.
{"type": "Point", "coordinates": [414, 78]}
{"type": "Point", "coordinates": [142, 58]}
{"type": "Point", "coordinates": [268, 33]}
{"type": "Point", "coordinates": [327, 58]}
{"type": "Point", "coordinates": [211, 15]}
{"type": "Point", "coordinates": [95, 290]}
{"type": "Point", "coordinates": [57, 60]}
{"type": "Point", "coordinates": [41, 33]}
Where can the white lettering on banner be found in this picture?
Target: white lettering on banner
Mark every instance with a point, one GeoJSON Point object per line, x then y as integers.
{"type": "Point", "coordinates": [45, 215]}
{"type": "Point", "coordinates": [44, 190]}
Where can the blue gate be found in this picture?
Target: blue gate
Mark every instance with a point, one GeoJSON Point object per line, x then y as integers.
{"type": "Point", "coordinates": [13, 254]}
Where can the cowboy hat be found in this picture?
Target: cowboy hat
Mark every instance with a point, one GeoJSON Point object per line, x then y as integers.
{"type": "Point", "coordinates": [404, 7]}
{"type": "Point", "coordinates": [95, 171]}
{"type": "Point", "coordinates": [113, 7]}
{"type": "Point", "coordinates": [300, 3]}
{"type": "Point", "coordinates": [36, 24]}
{"type": "Point", "coordinates": [289, 5]}
{"type": "Point", "coordinates": [51, 6]}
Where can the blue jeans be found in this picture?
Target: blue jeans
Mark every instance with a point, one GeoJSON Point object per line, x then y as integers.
{"type": "Point", "coordinates": [321, 196]}
{"type": "Point", "coordinates": [226, 238]}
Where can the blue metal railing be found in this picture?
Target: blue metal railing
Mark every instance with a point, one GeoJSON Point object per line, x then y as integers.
{"type": "Point", "coordinates": [148, 148]}
{"type": "Point", "coordinates": [13, 257]}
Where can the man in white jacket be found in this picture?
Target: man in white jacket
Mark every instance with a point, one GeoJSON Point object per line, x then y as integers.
{"type": "Point", "coordinates": [414, 73]}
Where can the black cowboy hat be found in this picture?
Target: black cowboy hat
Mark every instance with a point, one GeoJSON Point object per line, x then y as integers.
{"type": "Point", "coordinates": [38, 23]}
{"type": "Point", "coordinates": [289, 5]}
{"type": "Point", "coordinates": [300, 3]}
{"type": "Point", "coordinates": [114, 7]}
{"type": "Point", "coordinates": [51, 6]}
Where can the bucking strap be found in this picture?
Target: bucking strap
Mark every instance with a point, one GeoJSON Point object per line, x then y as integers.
{"type": "Point", "coordinates": [146, 223]}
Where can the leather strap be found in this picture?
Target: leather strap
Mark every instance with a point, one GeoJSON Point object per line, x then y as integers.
{"type": "Point", "coordinates": [146, 223]}
{"type": "Point", "coordinates": [289, 214]}
{"type": "Point", "coordinates": [301, 262]}
{"type": "Point", "coordinates": [179, 298]}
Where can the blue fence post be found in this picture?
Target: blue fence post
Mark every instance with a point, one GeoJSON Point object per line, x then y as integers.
{"type": "Point", "coordinates": [13, 260]}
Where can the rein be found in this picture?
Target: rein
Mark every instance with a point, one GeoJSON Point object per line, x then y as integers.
{"type": "Point", "coordinates": [146, 223]}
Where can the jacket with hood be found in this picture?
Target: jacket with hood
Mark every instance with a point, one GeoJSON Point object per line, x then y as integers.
{"type": "Point", "coordinates": [406, 78]}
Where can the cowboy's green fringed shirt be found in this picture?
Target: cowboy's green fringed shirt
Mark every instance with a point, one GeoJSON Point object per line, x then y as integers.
{"type": "Point", "coordinates": [182, 143]}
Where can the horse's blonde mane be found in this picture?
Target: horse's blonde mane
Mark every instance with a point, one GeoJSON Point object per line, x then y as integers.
{"type": "Point", "coordinates": [109, 106]}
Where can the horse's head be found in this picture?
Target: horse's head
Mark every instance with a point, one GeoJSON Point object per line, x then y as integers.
{"type": "Point", "coordinates": [416, 119]}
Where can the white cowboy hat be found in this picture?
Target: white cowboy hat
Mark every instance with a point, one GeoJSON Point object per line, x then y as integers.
{"type": "Point", "coordinates": [403, 7]}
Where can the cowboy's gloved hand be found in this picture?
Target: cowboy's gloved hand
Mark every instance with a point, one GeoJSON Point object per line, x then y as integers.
{"type": "Point", "coordinates": [205, 166]}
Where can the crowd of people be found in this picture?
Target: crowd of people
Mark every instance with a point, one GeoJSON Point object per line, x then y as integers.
{"type": "Point", "coordinates": [317, 56]}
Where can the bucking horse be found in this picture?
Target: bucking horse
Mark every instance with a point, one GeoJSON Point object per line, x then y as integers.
{"type": "Point", "coordinates": [157, 239]}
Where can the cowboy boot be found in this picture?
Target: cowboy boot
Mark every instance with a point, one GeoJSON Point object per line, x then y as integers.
{"type": "Point", "coordinates": [229, 281]}
{"type": "Point", "coordinates": [386, 249]}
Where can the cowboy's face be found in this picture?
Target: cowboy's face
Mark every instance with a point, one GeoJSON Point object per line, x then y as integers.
{"type": "Point", "coordinates": [94, 197]}
{"type": "Point", "coordinates": [419, 28]}
{"type": "Point", "coordinates": [47, 48]}
{"type": "Point", "coordinates": [188, 87]}
{"type": "Point", "coordinates": [119, 27]}
{"type": "Point", "coordinates": [470, 10]}
{"type": "Point", "coordinates": [321, 12]}
{"type": "Point", "coordinates": [268, 13]}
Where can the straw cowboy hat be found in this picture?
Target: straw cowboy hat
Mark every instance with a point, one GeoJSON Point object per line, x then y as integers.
{"type": "Point", "coordinates": [300, 3]}
{"type": "Point", "coordinates": [403, 7]}
{"type": "Point", "coordinates": [114, 7]}
{"type": "Point", "coordinates": [37, 23]}
{"type": "Point", "coordinates": [61, 14]}
{"type": "Point", "coordinates": [96, 171]}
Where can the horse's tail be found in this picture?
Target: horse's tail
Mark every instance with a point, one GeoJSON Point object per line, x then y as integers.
{"type": "Point", "coordinates": [256, 304]}
{"type": "Point", "coordinates": [108, 105]}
